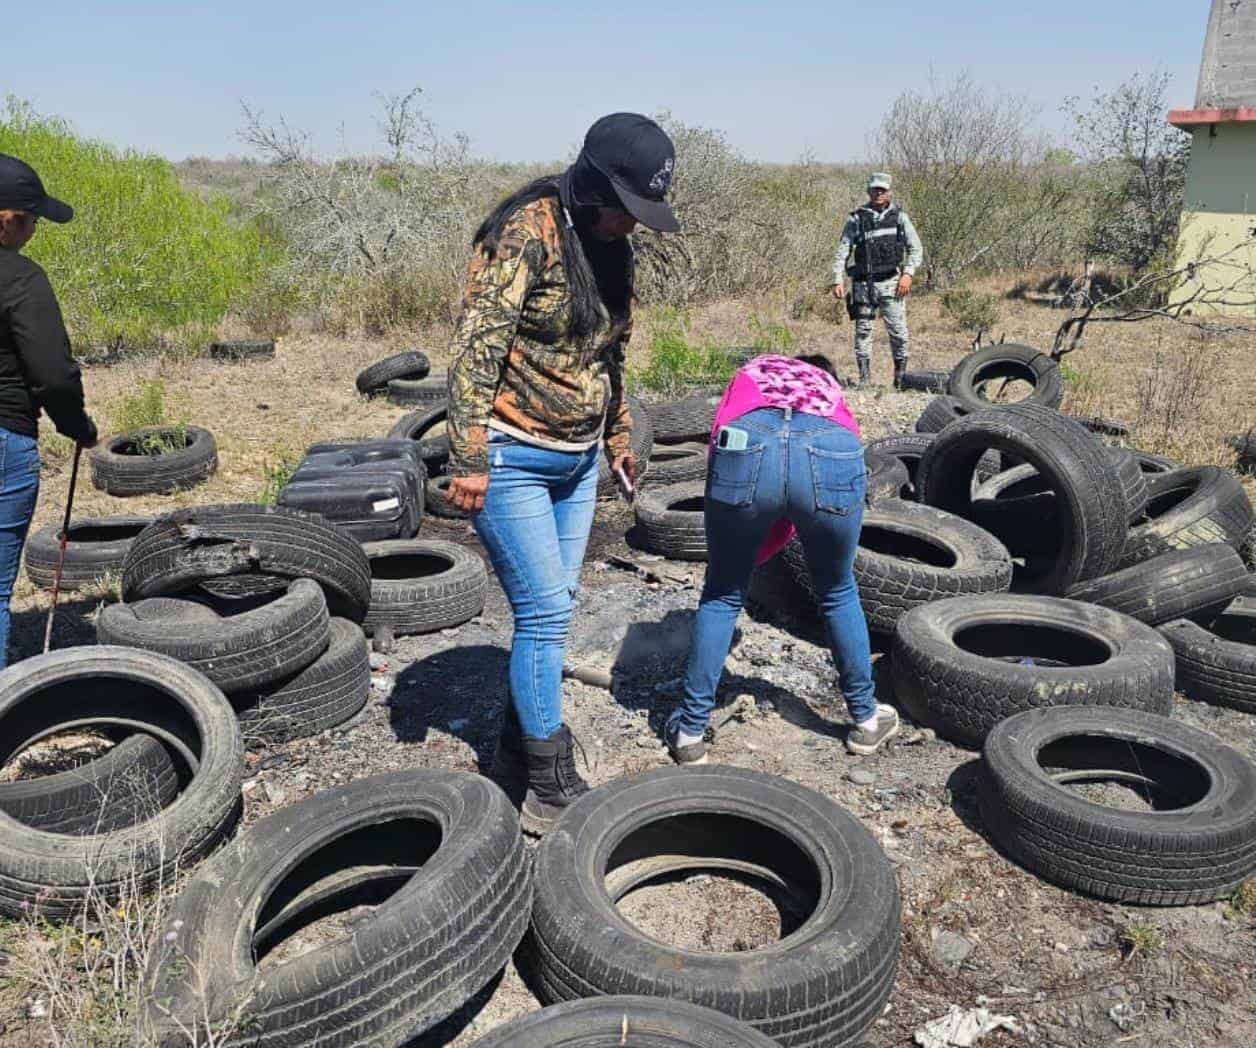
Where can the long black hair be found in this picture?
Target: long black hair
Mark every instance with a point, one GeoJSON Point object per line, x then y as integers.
{"type": "Point", "coordinates": [817, 360]}
{"type": "Point", "coordinates": [596, 271]}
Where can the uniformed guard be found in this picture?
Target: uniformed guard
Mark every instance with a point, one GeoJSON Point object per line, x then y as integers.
{"type": "Point", "coordinates": [880, 252]}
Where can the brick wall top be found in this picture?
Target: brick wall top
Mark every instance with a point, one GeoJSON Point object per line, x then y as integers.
{"type": "Point", "coordinates": [1227, 73]}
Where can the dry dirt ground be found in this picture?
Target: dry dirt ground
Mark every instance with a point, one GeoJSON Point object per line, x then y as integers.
{"type": "Point", "coordinates": [976, 928]}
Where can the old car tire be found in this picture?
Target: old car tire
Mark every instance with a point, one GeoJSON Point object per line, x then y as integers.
{"type": "Point", "coordinates": [96, 547]}
{"type": "Point", "coordinates": [421, 585]}
{"type": "Point", "coordinates": [1004, 361]}
{"type": "Point", "coordinates": [119, 469]}
{"type": "Point", "coordinates": [1194, 506]}
{"type": "Point", "coordinates": [671, 521]}
{"type": "Point", "coordinates": [416, 391]}
{"type": "Point", "coordinates": [1216, 663]}
{"type": "Point", "coordinates": [145, 692]}
{"type": "Point", "coordinates": [412, 364]}
{"type": "Point", "coordinates": [1092, 517]}
{"type": "Point", "coordinates": [121, 787]}
{"type": "Point", "coordinates": [328, 692]}
{"type": "Point", "coordinates": [240, 652]}
{"type": "Point", "coordinates": [1199, 843]}
{"type": "Point", "coordinates": [452, 890]}
{"type": "Point", "coordinates": [607, 1022]}
{"type": "Point", "coordinates": [821, 985]}
{"type": "Point", "coordinates": [1197, 583]}
{"type": "Point", "coordinates": [201, 543]}
{"type": "Point", "coordinates": [964, 664]}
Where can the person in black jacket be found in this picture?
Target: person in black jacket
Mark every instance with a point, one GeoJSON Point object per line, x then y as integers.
{"type": "Point", "coordinates": [36, 368]}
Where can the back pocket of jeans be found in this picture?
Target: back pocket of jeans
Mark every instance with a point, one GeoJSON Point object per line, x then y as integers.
{"type": "Point", "coordinates": [733, 475]}
{"type": "Point", "coordinates": [839, 481]}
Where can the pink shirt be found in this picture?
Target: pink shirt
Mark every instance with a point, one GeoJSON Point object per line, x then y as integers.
{"type": "Point", "coordinates": [782, 382]}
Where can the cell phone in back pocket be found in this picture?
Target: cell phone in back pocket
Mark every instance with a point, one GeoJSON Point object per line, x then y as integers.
{"type": "Point", "coordinates": [732, 438]}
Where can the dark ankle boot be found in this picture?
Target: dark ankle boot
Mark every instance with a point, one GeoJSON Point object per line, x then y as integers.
{"type": "Point", "coordinates": [900, 369]}
{"type": "Point", "coordinates": [865, 373]}
{"type": "Point", "coordinates": [509, 768]}
{"type": "Point", "coordinates": [553, 782]}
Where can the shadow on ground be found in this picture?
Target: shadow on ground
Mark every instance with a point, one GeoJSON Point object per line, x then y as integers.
{"type": "Point", "coordinates": [461, 690]}
{"type": "Point", "coordinates": [71, 628]}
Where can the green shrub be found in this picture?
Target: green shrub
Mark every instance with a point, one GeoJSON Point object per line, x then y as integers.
{"type": "Point", "coordinates": [276, 473]}
{"type": "Point", "coordinates": [675, 363]}
{"type": "Point", "coordinates": [146, 263]}
{"type": "Point", "coordinates": [770, 337]}
{"type": "Point", "coordinates": [146, 408]}
{"type": "Point", "coordinates": [973, 310]}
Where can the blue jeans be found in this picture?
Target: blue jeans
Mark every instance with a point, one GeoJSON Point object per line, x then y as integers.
{"type": "Point", "coordinates": [535, 526]}
{"type": "Point", "coordinates": [19, 487]}
{"type": "Point", "coordinates": [808, 469]}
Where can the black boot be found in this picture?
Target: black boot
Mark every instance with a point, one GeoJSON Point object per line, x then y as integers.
{"type": "Point", "coordinates": [553, 782]}
{"type": "Point", "coordinates": [865, 372]}
{"type": "Point", "coordinates": [900, 369]}
{"type": "Point", "coordinates": [509, 768]}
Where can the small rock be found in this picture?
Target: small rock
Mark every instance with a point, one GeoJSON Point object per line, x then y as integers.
{"type": "Point", "coordinates": [951, 949]}
{"type": "Point", "coordinates": [277, 761]}
{"type": "Point", "coordinates": [382, 684]}
{"type": "Point", "coordinates": [277, 795]}
{"type": "Point", "coordinates": [379, 661]}
{"type": "Point", "coordinates": [647, 742]}
{"type": "Point", "coordinates": [37, 1008]}
{"type": "Point", "coordinates": [861, 777]}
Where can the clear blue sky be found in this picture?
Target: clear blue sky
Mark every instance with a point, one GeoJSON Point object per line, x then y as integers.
{"type": "Point", "coordinates": [525, 80]}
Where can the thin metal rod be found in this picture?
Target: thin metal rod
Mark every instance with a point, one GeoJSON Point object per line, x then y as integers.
{"type": "Point", "coordinates": [65, 537]}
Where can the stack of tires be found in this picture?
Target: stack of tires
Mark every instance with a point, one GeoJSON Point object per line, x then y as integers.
{"type": "Point", "coordinates": [265, 601]}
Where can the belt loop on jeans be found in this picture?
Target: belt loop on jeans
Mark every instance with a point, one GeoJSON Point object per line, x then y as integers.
{"type": "Point", "coordinates": [789, 413]}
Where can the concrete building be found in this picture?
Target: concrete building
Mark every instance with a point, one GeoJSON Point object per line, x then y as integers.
{"type": "Point", "coordinates": [1220, 214]}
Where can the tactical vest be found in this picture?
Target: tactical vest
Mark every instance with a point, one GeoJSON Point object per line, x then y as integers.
{"type": "Point", "coordinates": [879, 248]}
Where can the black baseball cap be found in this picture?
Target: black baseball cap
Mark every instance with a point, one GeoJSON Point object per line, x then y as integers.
{"type": "Point", "coordinates": [21, 190]}
{"type": "Point", "coordinates": [638, 159]}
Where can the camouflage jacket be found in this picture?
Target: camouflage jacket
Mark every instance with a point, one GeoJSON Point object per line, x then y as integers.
{"type": "Point", "coordinates": [517, 367]}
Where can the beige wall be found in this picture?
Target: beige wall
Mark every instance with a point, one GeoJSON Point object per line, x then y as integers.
{"type": "Point", "coordinates": [1220, 217]}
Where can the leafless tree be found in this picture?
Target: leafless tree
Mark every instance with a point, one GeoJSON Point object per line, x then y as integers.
{"type": "Point", "coordinates": [1136, 171]}
{"type": "Point", "coordinates": [972, 174]}
{"type": "Point", "coordinates": [380, 218]}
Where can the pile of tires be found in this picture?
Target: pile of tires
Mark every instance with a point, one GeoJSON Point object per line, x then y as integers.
{"type": "Point", "coordinates": [157, 801]}
{"type": "Point", "coordinates": [155, 460]}
{"type": "Point", "coordinates": [265, 601]}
